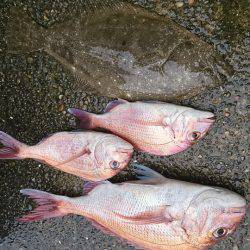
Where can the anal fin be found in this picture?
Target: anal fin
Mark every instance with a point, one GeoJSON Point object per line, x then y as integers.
{"type": "Point", "coordinates": [111, 233]}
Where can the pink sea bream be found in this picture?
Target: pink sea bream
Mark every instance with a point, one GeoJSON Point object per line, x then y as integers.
{"type": "Point", "coordinates": [91, 155]}
{"type": "Point", "coordinates": [155, 127]}
{"type": "Point", "coordinates": [151, 213]}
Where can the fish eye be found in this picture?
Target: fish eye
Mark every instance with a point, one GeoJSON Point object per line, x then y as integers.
{"type": "Point", "coordinates": [195, 135]}
{"type": "Point", "coordinates": [220, 232]}
{"type": "Point", "coordinates": [114, 164]}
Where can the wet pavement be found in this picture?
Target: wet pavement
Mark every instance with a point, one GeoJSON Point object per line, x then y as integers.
{"type": "Point", "coordinates": [36, 90]}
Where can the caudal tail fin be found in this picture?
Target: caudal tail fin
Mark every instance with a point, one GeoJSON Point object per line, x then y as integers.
{"type": "Point", "coordinates": [86, 119]}
{"type": "Point", "coordinates": [22, 33]}
{"type": "Point", "coordinates": [10, 148]}
{"type": "Point", "coordinates": [48, 205]}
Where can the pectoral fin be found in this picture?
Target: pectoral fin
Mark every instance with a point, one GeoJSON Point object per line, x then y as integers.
{"type": "Point", "coordinates": [85, 151]}
{"type": "Point", "coordinates": [155, 216]}
{"type": "Point", "coordinates": [168, 126]}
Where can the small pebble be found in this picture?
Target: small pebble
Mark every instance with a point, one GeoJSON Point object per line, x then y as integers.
{"type": "Point", "coordinates": [45, 15]}
{"type": "Point", "coordinates": [179, 4]}
{"type": "Point", "coordinates": [30, 60]}
{"type": "Point", "coordinates": [216, 101]}
{"type": "Point", "coordinates": [72, 122]}
{"type": "Point", "coordinates": [191, 2]}
{"type": "Point", "coordinates": [227, 94]}
{"type": "Point", "coordinates": [218, 167]}
{"type": "Point", "coordinates": [61, 108]}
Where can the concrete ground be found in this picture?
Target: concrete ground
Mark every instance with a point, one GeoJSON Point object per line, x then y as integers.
{"type": "Point", "coordinates": [35, 91]}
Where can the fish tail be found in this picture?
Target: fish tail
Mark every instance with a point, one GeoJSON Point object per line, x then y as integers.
{"type": "Point", "coordinates": [10, 148]}
{"type": "Point", "coordinates": [48, 205]}
{"type": "Point", "coordinates": [22, 34]}
{"type": "Point", "coordinates": [86, 119]}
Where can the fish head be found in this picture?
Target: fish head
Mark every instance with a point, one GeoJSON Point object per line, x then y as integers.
{"type": "Point", "coordinates": [189, 126]}
{"type": "Point", "coordinates": [112, 154]}
{"type": "Point", "coordinates": [212, 215]}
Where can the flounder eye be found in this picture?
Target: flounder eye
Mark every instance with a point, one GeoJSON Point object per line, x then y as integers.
{"type": "Point", "coordinates": [220, 232]}
{"type": "Point", "coordinates": [114, 164]}
{"type": "Point", "coordinates": [195, 135]}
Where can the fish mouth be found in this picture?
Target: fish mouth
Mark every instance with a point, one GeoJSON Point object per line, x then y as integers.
{"type": "Point", "coordinates": [126, 151]}
{"type": "Point", "coordinates": [236, 215]}
{"type": "Point", "coordinates": [237, 210]}
{"type": "Point", "coordinates": [213, 118]}
{"type": "Point", "coordinates": [208, 119]}
{"type": "Point", "coordinates": [204, 125]}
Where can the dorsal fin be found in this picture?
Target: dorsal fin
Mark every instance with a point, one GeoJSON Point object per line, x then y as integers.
{"type": "Point", "coordinates": [153, 102]}
{"type": "Point", "coordinates": [114, 104]}
{"type": "Point", "coordinates": [89, 186]}
{"type": "Point", "coordinates": [107, 5]}
{"type": "Point", "coordinates": [144, 172]}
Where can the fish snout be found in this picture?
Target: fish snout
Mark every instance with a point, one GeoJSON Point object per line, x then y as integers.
{"type": "Point", "coordinates": [125, 150]}
{"type": "Point", "coordinates": [236, 214]}
{"type": "Point", "coordinates": [125, 153]}
{"type": "Point", "coordinates": [204, 124]}
{"type": "Point", "coordinates": [209, 118]}
{"type": "Point", "coordinates": [237, 210]}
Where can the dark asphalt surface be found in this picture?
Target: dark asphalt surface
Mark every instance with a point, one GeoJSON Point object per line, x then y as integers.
{"type": "Point", "coordinates": [35, 91]}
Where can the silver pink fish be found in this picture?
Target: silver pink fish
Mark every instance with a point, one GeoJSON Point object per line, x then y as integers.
{"type": "Point", "coordinates": [153, 213]}
{"type": "Point", "coordinates": [155, 127]}
{"type": "Point", "coordinates": [91, 155]}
